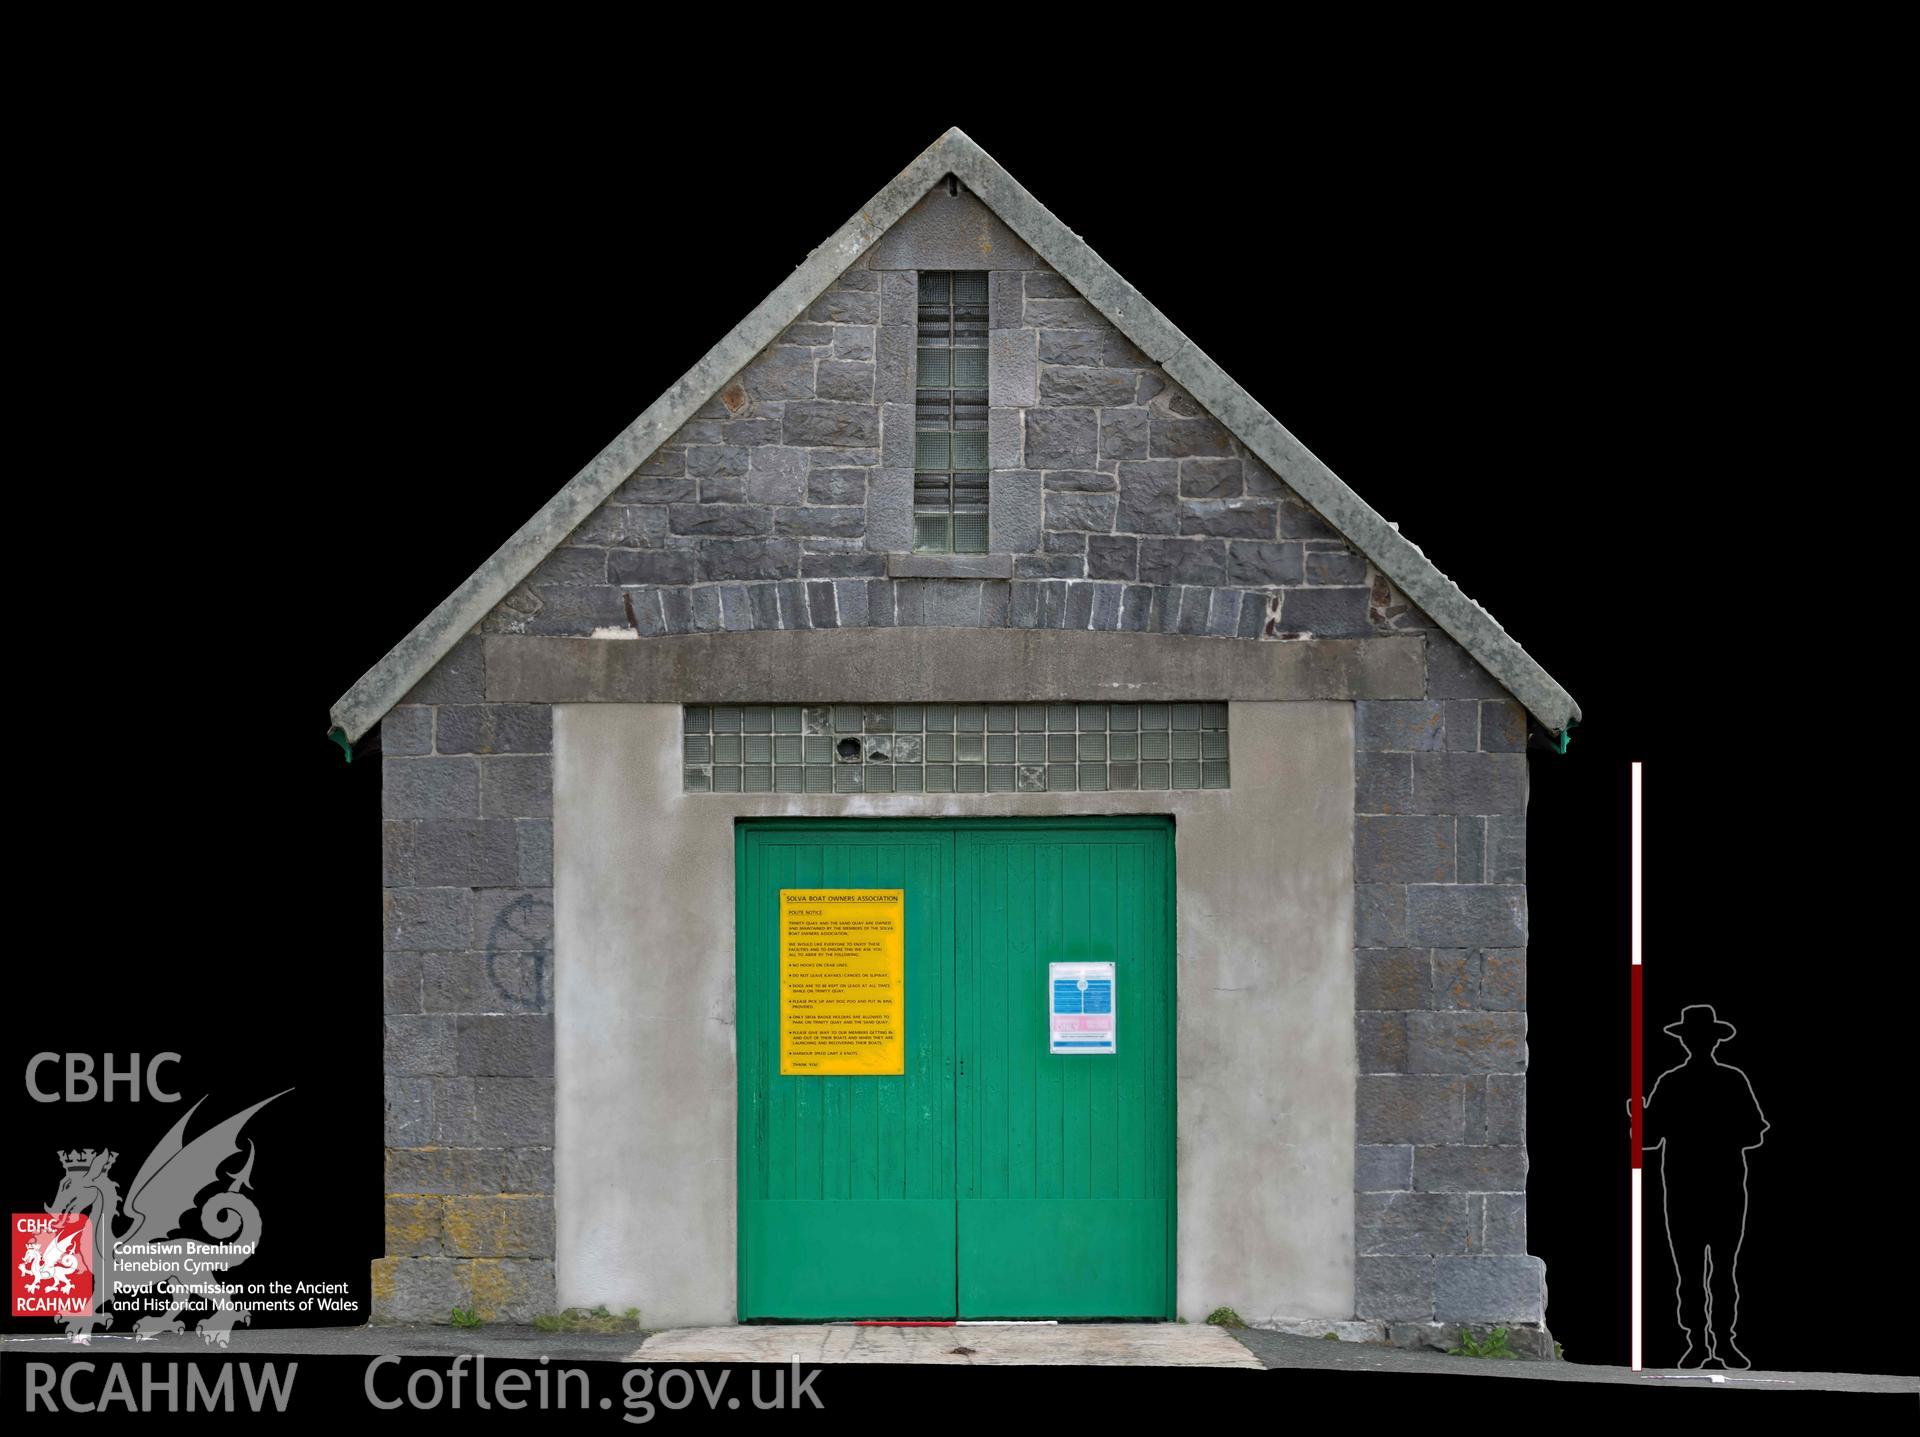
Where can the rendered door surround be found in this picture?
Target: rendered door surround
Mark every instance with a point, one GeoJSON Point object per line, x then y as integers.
{"type": "Point", "coordinates": [647, 1049]}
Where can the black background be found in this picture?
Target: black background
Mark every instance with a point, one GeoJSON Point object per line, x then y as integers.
{"type": "Point", "coordinates": [303, 368]}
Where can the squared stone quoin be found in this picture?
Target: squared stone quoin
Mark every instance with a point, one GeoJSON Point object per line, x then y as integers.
{"type": "Point", "coordinates": [467, 857]}
{"type": "Point", "coordinates": [1440, 791]}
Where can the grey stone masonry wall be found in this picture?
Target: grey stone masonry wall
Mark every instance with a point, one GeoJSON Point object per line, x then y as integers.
{"type": "Point", "coordinates": [1440, 800]}
{"type": "Point", "coordinates": [467, 930]}
{"type": "Point", "coordinates": [1115, 501]}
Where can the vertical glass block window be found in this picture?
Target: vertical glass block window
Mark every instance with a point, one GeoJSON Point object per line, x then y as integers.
{"type": "Point", "coordinates": [950, 428]}
{"type": "Point", "coordinates": [953, 748]}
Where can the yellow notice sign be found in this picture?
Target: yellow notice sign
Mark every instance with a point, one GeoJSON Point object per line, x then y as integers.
{"type": "Point", "coordinates": [843, 989]}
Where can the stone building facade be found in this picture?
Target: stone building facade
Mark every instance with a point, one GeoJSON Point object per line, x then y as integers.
{"type": "Point", "coordinates": [1127, 509]}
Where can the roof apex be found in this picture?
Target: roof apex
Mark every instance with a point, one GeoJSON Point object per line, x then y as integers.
{"type": "Point", "coordinates": [1476, 630]}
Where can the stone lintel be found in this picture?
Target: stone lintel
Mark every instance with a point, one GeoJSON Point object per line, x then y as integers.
{"type": "Point", "coordinates": [947, 665]}
{"type": "Point", "coordinates": [950, 566]}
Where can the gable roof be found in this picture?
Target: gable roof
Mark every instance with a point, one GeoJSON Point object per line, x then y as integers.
{"type": "Point", "coordinates": [1402, 561]}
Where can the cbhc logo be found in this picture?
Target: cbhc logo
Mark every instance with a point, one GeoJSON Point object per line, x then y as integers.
{"type": "Point", "coordinates": [83, 1087]}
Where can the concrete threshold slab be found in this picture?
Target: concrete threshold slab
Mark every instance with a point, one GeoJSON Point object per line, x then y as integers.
{"type": "Point", "coordinates": [1069, 1344]}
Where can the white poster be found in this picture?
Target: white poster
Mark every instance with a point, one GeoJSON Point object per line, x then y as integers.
{"type": "Point", "coordinates": [1080, 1008]}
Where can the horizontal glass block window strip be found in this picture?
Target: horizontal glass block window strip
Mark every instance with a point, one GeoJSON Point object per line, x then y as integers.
{"type": "Point", "coordinates": [950, 414]}
{"type": "Point", "coordinates": [953, 748]}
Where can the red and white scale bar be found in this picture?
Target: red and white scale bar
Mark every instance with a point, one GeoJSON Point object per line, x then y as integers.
{"type": "Point", "coordinates": [1634, 1063]}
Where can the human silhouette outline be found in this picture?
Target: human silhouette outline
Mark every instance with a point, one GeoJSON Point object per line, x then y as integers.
{"type": "Point", "coordinates": [1703, 1119]}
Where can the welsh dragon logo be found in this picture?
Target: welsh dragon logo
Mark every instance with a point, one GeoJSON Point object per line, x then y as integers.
{"type": "Point", "coordinates": [168, 1187]}
{"type": "Point", "coordinates": [51, 1260]}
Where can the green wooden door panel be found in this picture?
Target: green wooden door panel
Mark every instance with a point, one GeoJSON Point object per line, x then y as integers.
{"type": "Point", "coordinates": [1067, 1158]}
{"type": "Point", "coordinates": [1063, 1257]}
{"type": "Point", "coordinates": [992, 1178]}
{"type": "Point", "coordinates": [863, 1257]}
{"type": "Point", "coordinates": [834, 1167]}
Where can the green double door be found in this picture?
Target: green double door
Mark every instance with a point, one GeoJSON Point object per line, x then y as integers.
{"type": "Point", "coordinates": [992, 1178]}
